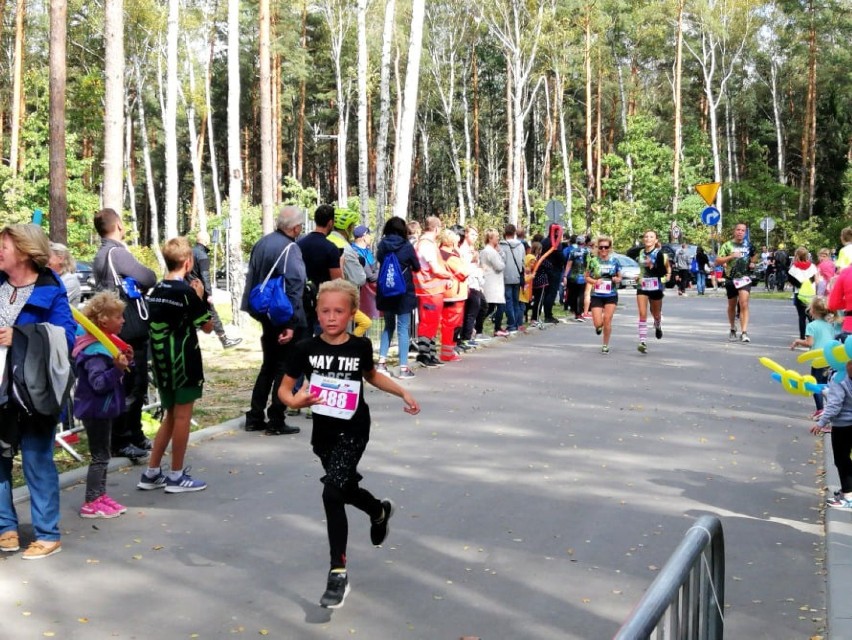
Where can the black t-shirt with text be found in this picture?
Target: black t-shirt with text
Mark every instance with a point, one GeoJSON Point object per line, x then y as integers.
{"type": "Point", "coordinates": [175, 313]}
{"type": "Point", "coordinates": [347, 361]}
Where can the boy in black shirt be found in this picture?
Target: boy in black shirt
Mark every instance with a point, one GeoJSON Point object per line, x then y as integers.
{"type": "Point", "coordinates": [176, 310]}
{"type": "Point", "coordinates": [335, 364]}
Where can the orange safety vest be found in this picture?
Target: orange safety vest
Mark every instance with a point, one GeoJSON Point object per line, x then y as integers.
{"type": "Point", "coordinates": [428, 281]}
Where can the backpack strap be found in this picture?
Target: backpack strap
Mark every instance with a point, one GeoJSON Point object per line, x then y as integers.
{"type": "Point", "coordinates": [284, 253]}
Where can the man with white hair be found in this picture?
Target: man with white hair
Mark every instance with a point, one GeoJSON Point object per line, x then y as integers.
{"type": "Point", "coordinates": [201, 271]}
{"type": "Point", "coordinates": [276, 341]}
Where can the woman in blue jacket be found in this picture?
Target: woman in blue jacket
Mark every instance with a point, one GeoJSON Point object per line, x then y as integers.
{"type": "Point", "coordinates": [397, 309]}
{"type": "Point", "coordinates": [29, 293]}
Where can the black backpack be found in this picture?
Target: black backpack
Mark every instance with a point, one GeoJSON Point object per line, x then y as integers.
{"type": "Point", "coordinates": [781, 259]}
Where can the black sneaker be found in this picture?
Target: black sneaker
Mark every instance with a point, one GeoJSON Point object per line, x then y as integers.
{"type": "Point", "coordinates": [336, 589]}
{"type": "Point", "coordinates": [426, 361]}
{"type": "Point", "coordinates": [732, 336]}
{"type": "Point", "coordinates": [599, 330]}
{"type": "Point", "coordinates": [379, 528]}
{"type": "Point", "coordinates": [281, 430]}
{"type": "Point", "coordinates": [658, 331]}
{"type": "Point", "coordinates": [227, 343]}
{"type": "Point", "coordinates": [132, 453]}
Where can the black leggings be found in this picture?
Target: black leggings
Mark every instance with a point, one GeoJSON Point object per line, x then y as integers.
{"type": "Point", "coordinates": [340, 462]}
{"type": "Point", "coordinates": [841, 447]}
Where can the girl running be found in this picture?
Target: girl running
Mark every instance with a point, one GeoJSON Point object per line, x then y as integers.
{"type": "Point", "coordinates": [604, 298]}
{"type": "Point", "coordinates": [655, 270]}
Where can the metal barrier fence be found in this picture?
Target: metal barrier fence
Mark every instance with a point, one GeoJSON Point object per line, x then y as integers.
{"type": "Point", "coordinates": [687, 598]}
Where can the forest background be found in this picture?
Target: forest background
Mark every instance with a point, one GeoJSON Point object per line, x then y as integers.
{"type": "Point", "coordinates": [197, 114]}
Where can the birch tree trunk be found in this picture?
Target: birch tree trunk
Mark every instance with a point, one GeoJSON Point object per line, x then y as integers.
{"type": "Point", "coordinates": [265, 87]}
{"type": "Point", "coordinates": [384, 116]}
{"type": "Point", "coordinates": [566, 158]}
{"type": "Point", "coordinates": [235, 186]}
{"type": "Point", "coordinates": [363, 147]}
{"type": "Point", "coordinates": [628, 159]}
{"type": "Point", "coordinates": [170, 122]}
{"type": "Point", "coordinates": [587, 67]}
{"type": "Point", "coordinates": [300, 132]}
{"type": "Point", "coordinates": [808, 186]}
{"type": "Point", "coordinates": [17, 88]}
{"type": "Point", "coordinates": [113, 104]}
{"type": "Point", "coordinates": [128, 173]}
{"type": "Point", "coordinates": [58, 174]}
{"type": "Point", "coordinates": [154, 221]}
{"type": "Point", "coordinates": [405, 137]}
{"type": "Point", "coordinates": [214, 164]}
{"type": "Point", "coordinates": [678, 107]}
{"type": "Point", "coordinates": [518, 30]}
{"type": "Point", "coordinates": [200, 213]}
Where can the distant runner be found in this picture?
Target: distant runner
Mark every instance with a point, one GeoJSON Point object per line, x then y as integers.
{"type": "Point", "coordinates": [655, 271]}
{"type": "Point", "coordinates": [738, 257]}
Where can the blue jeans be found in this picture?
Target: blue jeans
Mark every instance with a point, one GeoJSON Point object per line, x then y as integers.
{"type": "Point", "coordinates": [700, 282]}
{"type": "Point", "coordinates": [514, 309]}
{"type": "Point", "coordinates": [43, 482]}
{"type": "Point", "coordinates": [391, 322]}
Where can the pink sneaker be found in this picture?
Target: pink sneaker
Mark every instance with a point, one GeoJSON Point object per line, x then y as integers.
{"type": "Point", "coordinates": [98, 509]}
{"type": "Point", "coordinates": [112, 503]}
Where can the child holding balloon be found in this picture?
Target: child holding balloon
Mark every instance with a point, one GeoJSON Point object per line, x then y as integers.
{"type": "Point", "coordinates": [819, 332]}
{"type": "Point", "coordinates": [99, 396]}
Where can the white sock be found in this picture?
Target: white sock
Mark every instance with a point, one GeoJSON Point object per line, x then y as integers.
{"type": "Point", "coordinates": [152, 472]}
{"type": "Point", "coordinates": [175, 474]}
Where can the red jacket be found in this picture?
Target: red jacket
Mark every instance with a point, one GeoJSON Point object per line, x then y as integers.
{"type": "Point", "coordinates": [840, 298]}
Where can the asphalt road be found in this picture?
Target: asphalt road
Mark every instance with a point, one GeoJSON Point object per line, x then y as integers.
{"type": "Point", "coordinates": [539, 493]}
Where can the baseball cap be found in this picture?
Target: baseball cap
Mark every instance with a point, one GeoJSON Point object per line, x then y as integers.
{"type": "Point", "coordinates": [361, 230]}
{"type": "Point", "coordinates": [581, 239]}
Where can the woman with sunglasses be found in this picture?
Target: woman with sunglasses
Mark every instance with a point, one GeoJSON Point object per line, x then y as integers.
{"type": "Point", "coordinates": [604, 297]}
{"type": "Point", "coordinates": [655, 270]}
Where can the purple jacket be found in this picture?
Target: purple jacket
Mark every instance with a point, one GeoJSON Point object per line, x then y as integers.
{"type": "Point", "coordinates": [100, 390]}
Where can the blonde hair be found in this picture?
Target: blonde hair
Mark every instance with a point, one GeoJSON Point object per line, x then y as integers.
{"type": "Point", "coordinates": [818, 309]}
{"type": "Point", "coordinates": [340, 285]}
{"type": "Point", "coordinates": [66, 260]}
{"type": "Point", "coordinates": [175, 252]}
{"type": "Point", "coordinates": [825, 252]}
{"type": "Point", "coordinates": [602, 238]}
{"type": "Point", "coordinates": [490, 234]}
{"type": "Point", "coordinates": [846, 235]}
{"type": "Point", "coordinates": [447, 238]}
{"type": "Point", "coordinates": [102, 306]}
{"type": "Point", "coordinates": [535, 249]}
{"type": "Point", "coordinates": [801, 254]}
{"type": "Point", "coordinates": [30, 240]}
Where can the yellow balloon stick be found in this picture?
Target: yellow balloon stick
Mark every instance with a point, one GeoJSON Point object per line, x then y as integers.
{"type": "Point", "coordinates": [92, 328]}
{"type": "Point", "coordinates": [815, 356]}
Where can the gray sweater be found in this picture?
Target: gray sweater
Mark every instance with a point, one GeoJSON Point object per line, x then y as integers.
{"type": "Point", "coordinates": [838, 405]}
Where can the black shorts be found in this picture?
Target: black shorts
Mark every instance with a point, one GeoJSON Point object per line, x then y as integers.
{"type": "Point", "coordinates": [340, 459]}
{"type": "Point", "coordinates": [732, 291]}
{"type": "Point", "coordinates": [653, 294]}
{"type": "Point", "coordinates": [598, 302]}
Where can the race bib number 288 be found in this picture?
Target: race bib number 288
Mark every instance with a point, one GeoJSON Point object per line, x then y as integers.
{"type": "Point", "coordinates": [338, 398]}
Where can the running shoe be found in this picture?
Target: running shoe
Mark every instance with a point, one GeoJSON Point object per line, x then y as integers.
{"type": "Point", "coordinates": [379, 528]}
{"type": "Point", "coordinates": [481, 337]}
{"type": "Point", "coordinates": [579, 319]}
{"type": "Point", "coordinates": [451, 358]}
{"type": "Point", "coordinates": [426, 361]}
{"type": "Point", "coordinates": [605, 349]}
{"type": "Point", "coordinates": [184, 484]}
{"type": "Point", "coordinates": [744, 337]}
{"type": "Point", "coordinates": [382, 368]}
{"type": "Point", "coordinates": [839, 502]}
{"type": "Point", "coordinates": [643, 348]}
{"type": "Point", "coordinates": [336, 589]}
{"type": "Point", "coordinates": [658, 330]}
{"type": "Point", "coordinates": [147, 482]}
{"type": "Point", "coordinates": [405, 373]}
{"type": "Point", "coordinates": [97, 508]}
{"type": "Point", "coordinates": [816, 414]}
{"type": "Point", "coordinates": [599, 330]}
{"type": "Point", "coordinates": [732, 336]}
{"type": "Point", "coordinates": [501, 333]}
{"type": "Point", "coordinates": [587, 316]}
{"type": "Point", "coordinates": [115, 505]}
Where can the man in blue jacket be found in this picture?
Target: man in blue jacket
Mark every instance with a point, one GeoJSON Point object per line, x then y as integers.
{"type": "Point", "coordinates": [276, 341]}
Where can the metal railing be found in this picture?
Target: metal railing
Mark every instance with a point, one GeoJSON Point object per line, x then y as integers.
{"type": "Point", "coordinates": [687, 598]}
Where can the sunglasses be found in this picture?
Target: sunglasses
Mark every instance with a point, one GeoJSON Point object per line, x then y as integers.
{"type": "Point", "coordinates": [603, 246]}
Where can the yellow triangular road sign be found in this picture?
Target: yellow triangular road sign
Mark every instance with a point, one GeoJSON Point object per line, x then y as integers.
{"type": "Point", "coordinates": [708, 191]}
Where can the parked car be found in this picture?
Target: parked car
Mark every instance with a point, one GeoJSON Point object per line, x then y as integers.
{"type": "Point", "coordinates": [87, 280]}
{"type": "Point", "coordinates": [629, 270]}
